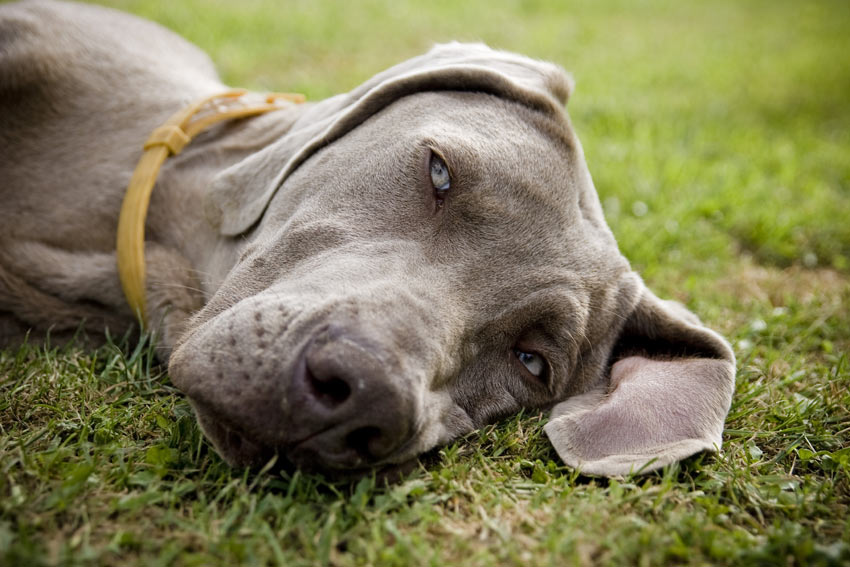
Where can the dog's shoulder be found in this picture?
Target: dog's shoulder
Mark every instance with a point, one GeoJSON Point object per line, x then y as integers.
{"type": "Point", "coordinates": [44, 43]}
{"type": "Point", "coordinates": [77, 75]}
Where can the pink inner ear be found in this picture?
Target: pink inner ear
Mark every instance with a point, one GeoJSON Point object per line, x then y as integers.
{"type": "Point", "coordinates": [645, 407]}
{"type": "Point", "coordinates": [661, 410]}
{"type": "Point", "coordinates": [633, 366]}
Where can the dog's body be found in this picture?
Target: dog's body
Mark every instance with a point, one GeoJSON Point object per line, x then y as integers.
{"type": "Point", "coordinates": [351, 282]}
{"type": "Point", "coordinates": [70, 140]}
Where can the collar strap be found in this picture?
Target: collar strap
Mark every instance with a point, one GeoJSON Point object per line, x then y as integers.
{"type": "Point", "coordinates": [170, 139]}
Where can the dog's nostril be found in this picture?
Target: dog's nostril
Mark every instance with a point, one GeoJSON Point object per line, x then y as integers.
{"type": "Point", "coordinates": [363, 439]}
{"type": "Point", "coordinates": [355, 411]}
{"type": "Point", "coordinates": [331, 391]}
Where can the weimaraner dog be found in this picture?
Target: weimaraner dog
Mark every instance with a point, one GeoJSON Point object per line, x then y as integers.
{"type": "Point", "coordinates": [351, 282]}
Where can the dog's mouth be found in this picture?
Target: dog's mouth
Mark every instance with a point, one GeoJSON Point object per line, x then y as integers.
{"type": "Point", "coordinates": [233, 445]}
{"type": "Point", "coordinates": [239, 450]}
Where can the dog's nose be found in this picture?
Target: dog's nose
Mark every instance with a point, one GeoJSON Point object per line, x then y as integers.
{"type": "Point", "coordinates": [353, 399]}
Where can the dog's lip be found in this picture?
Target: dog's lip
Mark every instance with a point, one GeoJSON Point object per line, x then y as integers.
{"type": "Point", "coordinates": [345, 460]}
{"type": "Point", "coordinates": [349, 461]}
{"type": "Point", "coordinates": [253, 454]}
{"type": "Point", "coordinates": [341, 466]}
{"type": "Point", "coordinates": [344, 466]}
{"type": "Point", "coordinates": [235, 446]}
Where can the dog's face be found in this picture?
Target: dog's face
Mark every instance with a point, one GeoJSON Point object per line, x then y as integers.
{"type": "Point", "coordinates": [438, 265]}
{"type": "Point", "coordinates": [435, 274]}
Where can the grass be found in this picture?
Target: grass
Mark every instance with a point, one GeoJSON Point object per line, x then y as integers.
{"type": "Point", "coordinates": [719, 139]}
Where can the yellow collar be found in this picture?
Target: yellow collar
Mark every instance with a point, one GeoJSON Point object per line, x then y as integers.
{"type": "Point", "coordinates": [170, 139]}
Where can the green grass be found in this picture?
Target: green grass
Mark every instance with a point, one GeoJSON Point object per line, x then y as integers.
{"type": "Point", "coordinates": [718, 134]}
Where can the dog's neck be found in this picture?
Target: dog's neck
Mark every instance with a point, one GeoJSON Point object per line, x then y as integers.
{"type": "Point", "coordinates": [178, 217]}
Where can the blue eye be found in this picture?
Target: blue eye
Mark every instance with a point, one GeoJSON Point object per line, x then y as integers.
{"type": "Point", "coordinates": [440, 178]}
{"type": "Point", "coordinates": [533, 362]}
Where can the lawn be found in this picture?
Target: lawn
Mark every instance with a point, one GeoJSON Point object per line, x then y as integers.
{"type": "Point", "coordinates": [718, 134]}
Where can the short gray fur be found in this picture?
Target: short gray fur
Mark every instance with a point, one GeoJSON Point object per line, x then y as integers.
{"type": "Point", "coordinates": [311, 296]}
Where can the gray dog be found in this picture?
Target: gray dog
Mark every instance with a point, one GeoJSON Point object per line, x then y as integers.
{"type": "Point", "coordinates": [352, 282]}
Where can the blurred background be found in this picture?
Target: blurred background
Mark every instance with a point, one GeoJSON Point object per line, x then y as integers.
{"type": "Point", "coordinates": [714, 130]}
{"type": "Point", "coordinates": [717, 133]}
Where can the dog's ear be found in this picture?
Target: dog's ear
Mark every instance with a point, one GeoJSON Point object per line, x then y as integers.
{"type": "Point", "coordinates": [239, 195]}
{"type": "Point", "coordinates": [665, 395]}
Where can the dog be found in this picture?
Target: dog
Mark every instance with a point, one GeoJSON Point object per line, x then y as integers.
{"type": "Point", "coordinates": [351, 282]}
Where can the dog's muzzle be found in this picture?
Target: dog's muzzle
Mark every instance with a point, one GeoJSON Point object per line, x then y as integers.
{"type": "Point", "coordinates": [340, 404]}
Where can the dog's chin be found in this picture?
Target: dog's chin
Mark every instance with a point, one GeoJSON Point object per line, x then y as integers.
{"type": "Point", "coordinates": [240, 452]}
{"type": "Point", "coordinates": [390, 472]}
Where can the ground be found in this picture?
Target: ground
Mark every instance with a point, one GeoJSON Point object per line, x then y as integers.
{"type": "Point", "coordinates": [718, 134]}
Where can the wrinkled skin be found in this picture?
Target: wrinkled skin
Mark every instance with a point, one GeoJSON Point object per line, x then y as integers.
{"type": "Point", "coordinates": [320, 293]}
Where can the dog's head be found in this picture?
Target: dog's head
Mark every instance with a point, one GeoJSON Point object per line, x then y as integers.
{"type": "Point", "coordinates": [427, 254]}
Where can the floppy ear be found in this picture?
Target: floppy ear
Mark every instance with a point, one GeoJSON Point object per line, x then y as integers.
{"type": "Point", "coordinates": [239, 196]}
{"type": "Point", "coordinates": [666, 396]}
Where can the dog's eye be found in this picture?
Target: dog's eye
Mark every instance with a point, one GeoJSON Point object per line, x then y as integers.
{"type": "Point", "coordinates": [533, 362]}
{"type": "Point", "coordinates": [440, 178]}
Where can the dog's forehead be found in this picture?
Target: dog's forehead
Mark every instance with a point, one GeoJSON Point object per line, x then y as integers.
{"type": "Point", "coordinates": [514, 210]}
{"type": "Point", "coordinates": [519, 185]}
{"type": "Point", "coordinates": [509, 164]}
